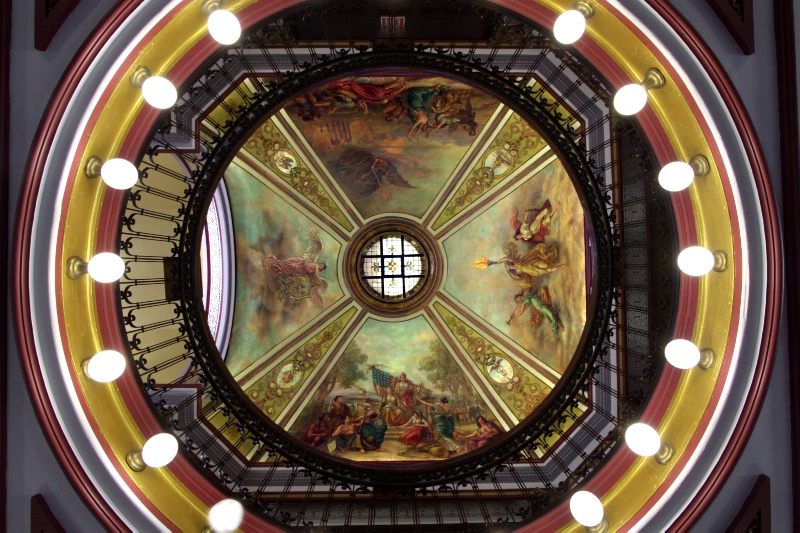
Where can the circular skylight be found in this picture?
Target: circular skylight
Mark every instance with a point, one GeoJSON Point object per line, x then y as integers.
{"type": "Point", "coordinates": [393, 266]}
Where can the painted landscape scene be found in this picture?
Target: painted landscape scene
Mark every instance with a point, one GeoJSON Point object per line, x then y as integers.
{"type": "Point", "coordinates": [396, 394]}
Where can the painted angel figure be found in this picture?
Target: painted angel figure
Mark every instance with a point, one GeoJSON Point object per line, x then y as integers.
{"type": "Point", "coordinates": [535, 225]}
{"type": "Point", "coordinates": [299, 277]}
{"type": "Point", "coordinates": [540, 306]}
{"type": "Point", "coordinates": [373, 173]}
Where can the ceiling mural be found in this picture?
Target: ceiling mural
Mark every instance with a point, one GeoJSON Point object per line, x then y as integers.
{"type": "Point", "coordinates": [285, 269]}
{"type": "Point", "coordinates": [506, 269]}
{"type": "Point", "coordinates": [391, 143]}
{"type": "Point", "coordinates": [521, 266]}
{"type": "Point", "coordinates": [396, 393]}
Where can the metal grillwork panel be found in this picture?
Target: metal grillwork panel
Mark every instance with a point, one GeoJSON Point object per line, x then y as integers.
{"type": "Point", "coordinates": [538, 464]}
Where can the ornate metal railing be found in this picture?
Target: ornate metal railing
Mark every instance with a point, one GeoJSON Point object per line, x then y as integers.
{"type": "Point", "coordinates": [539, 463]}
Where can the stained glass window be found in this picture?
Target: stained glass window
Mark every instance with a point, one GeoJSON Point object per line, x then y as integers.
{"type": "Point", "coordinates": [393, 266]}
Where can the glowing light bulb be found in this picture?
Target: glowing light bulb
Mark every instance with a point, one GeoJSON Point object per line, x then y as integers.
{"type": "Point", "coordinates": [119, 174]}
{"type": "Point", "coordinates": [630, 99]}
{"type": "Point", "coordinates": [682, 354]}
{"type": "Point", "coordinates": [106, 267]}
{"type": "Point", "coordinates": [696, 261]}
{"type": "Point", "coordinates": [224, 27]}
{"type": "Point", "coordinates": [586, 508]}
{"type": "Point", "coordinates": [569, 26]}
{"type": "Point", "coordinates": [159, 92]}
{"type": "Point", "coordinates": [105, 366]}
{"type": "Point", "coordinates": [642, 439]}
{"type": "Point", "coordinates": [676, 176]}
{"type": "Point", "coordinates": [225, 516]}
{"type": "Point", "coordinates": [160, 450]}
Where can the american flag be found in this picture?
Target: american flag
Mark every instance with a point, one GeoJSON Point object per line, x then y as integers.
{"type": "Point", "coordinates": [380, 378]}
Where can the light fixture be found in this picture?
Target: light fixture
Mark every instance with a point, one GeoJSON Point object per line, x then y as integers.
{"type": "Point", "coordinates": [104, 366]}
{"type": "Point", "coordinates": [158, 451]}
{"type": "Point", "coordinates": [225, 516]}
{"type": "Point", "coordinates": [104, 267]}
{"type": "Point", "coordinates": [157, 91]}
{"type": "Point", "coordinates": [684, 354]}
{"type": "Point", "coordinates": [644, 440]}
{"type": "Point", "coordinates": [631, 98]}
{"type": "Point", "coordinates": [117, 173]}
{"type": "Point", "coordinates": [697, 261]}
{"type": "Point", "coordinates": [570, 25]}
{"type": "Point", "coordinates": [587, 510]}
{"type": "Point", "coordinates": [677, 176]}
{"type": "Point", "coordinates": [223, 25]}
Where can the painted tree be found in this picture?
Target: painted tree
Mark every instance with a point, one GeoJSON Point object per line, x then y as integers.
{"type": "Point", "coordinates": [349, 370]}
{"type": "Point", "coordinates": [443, 372]}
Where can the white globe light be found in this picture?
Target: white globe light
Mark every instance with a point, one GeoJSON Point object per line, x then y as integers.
{"type": "Point", "coordinates": [105, 366]}
{"type": "Point", "coordinates": [682, 354]}
{"type": "Point", "coordinates": [569, 26]}
{"type": "Point", "coordinates": [224, 27]}
{"type": "Point", "coordinates": [642, 439]}
{"type": "Point", "coordinates": [119, 173]}
{"type": "Point", "coordinates": [695, 261]}
{"type": "Point", "coordinates": [106, 267]}
{"type": "Point", "coordinates": [630, 99]}
{"type": "Point", "coordinates": [159, 92]}
{"type": "Point", "coordinates": [160, 450]}
{"type": "Point", "coordinates": [676, 176]}
{"type": "Point", "coordinates": [586, 508]}
{"type": "Point", "coordinates": [225, 516]}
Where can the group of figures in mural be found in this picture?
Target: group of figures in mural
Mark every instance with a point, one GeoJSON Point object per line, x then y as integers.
{"type": "Point", "coordinates": [407, 419]}
{"type": "Point", "coordinates": [525, 267]}
{"type": "Point", "coordinates": [375, 126]}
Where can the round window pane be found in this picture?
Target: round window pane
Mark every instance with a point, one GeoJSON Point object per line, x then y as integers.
{"type": "Point", "coordinates": [393, 266]}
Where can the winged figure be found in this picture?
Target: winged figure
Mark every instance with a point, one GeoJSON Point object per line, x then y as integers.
{"type": "Point", "coordinates": [370, 172]}
{"type": "Point", "coordinates": [299, 277]}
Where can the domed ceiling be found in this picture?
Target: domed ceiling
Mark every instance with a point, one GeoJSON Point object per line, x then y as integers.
{"type": "Point", "coordinates": [445, 234]}
{"type": "Point", "coordinates": [498, 325]}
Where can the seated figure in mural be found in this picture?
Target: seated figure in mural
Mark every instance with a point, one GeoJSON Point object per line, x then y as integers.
{"type": "Point", "coordinates": [452, 108]}
{"type": "Point", "coordinates": [419, 431]}
{"type": "Point", "coordinates": [484, 433]}
{"type": "Point", "coordinates": [370, 173]}
{"type": "Point", "coordinates": [299, 277]}
{"type": "Point", "coordinates": [444, 422]}
{"type": "Point", "coordinates": [418, 100]}
{"type": "Point", "coordinates": [318, 433]}
{"type": "Point", "coordinates": [346, 435]}
{"type": "Point", "coordinates": [391, 412]}
{"type": "Point", "coordinates": [372, 431]}
{"type": "Point", "coordinates": [535, 225]}
{"type": "Point", "coordinates": [540, 306]}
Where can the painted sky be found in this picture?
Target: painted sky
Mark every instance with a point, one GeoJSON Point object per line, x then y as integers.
{"type": "Point", "coordinates": [265, 223]}
{"type": "Point", "coordinates": [490, 293]}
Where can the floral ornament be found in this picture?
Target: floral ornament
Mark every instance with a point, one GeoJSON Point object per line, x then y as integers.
{"type": "Point", "coordinates": [273, 392]}
{"type": "Point", "coordinates": [520, 389]}
{"type": "Point", "coordinates": [516, 143]}
{"type": "Point", "coordinates": [269, 146]}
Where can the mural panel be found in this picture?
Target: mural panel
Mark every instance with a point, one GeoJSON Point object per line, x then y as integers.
{"type": "Point", "coordinates": [396, 394]}
{"type": "Point", "coordinates": [391, 142]}
{"type": "Point", "coordinates": [520, 265]}
{"type": "Point", "coordinates": [285, 269]}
